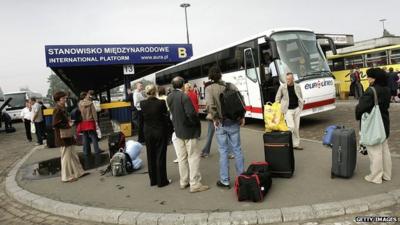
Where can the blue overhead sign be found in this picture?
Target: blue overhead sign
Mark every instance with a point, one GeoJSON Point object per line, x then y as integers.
{"type": "Point", "coordinates": [90, 55]}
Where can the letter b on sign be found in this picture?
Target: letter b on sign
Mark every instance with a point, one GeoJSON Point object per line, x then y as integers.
{"type": "Point", "coordinates": [182, 53]}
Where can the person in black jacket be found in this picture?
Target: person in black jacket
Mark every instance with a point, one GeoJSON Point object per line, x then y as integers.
{"type": "Point", "coordinates": [187, 130]}
{"type": "Point", "coordinates": [155, 118]}
{"type": "Point", "coordinates": [379, 155]}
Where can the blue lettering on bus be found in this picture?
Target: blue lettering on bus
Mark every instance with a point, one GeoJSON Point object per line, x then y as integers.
{"type": "Point", "coordinates": [318, 84]}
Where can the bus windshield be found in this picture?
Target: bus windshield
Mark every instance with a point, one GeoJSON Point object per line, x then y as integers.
{"type": "Point", "coordinates": [18, 100]}
{"type": "Point", "coordinates": [299, 54]}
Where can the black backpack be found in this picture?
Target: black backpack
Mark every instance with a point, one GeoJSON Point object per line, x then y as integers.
{"type": "Point", "coordinates": [116, 141]}
{"type": "Point", "coordinates": [253, 184]}
{"type": "Point", "coordinates": [232, 103]}
{"type": "Point", "coordinates": [76, 115]}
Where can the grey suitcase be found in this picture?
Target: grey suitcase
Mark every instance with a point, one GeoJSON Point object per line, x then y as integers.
{"type": "Point", "coordinates": [344, 152]}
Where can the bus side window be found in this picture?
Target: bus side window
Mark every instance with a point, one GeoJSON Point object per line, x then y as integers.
{"type": "Point", "coordinates": [338, 64]}
{"type": "Point", "coordinates": [376, 59]}
{"type": "Point", "coordinates": [353, 62]}
{"type": "Point", "coordinates": [395, 56]}
{"type": "Point", "coordinates": [330, 63]}
{"type": "Point", "coordinates": [251, 71]}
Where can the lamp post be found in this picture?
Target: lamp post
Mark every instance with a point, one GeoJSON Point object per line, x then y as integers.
{"type": "Point", "coordinates": [383, 24]}
{"type": "Point", "coordinates": [185, 5]}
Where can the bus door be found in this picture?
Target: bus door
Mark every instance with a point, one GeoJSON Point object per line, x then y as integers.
{"type": "Point", "coordinates": [253, 85]}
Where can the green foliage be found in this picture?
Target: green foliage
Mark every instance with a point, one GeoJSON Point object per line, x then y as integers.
{"type": "Point", "coordinates": [56, 84]}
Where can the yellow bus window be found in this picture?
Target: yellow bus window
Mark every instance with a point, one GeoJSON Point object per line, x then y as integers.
{"type": "Point", "coordinates": [395, 56]}
{"type": "Point", "coordinates": [353, 62]}
{"type": "Point", "coordinates": [376, 59]}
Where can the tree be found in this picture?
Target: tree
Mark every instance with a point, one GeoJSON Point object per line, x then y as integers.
{"type": "Point", "coordinates": [56, 84]}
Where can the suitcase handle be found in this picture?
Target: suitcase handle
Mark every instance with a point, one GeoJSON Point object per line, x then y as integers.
{"type": "Point", "coordinates": [277, 145]}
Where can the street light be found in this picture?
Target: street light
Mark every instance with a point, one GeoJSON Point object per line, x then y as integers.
{"type": "Point", "coordinates": [185, 5]}
{"type": "Point", "coordinates": [383, 24]}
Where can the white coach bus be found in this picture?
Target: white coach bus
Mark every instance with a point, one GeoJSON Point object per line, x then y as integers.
{"type": "Point", "coordinates": [259, 64]}
{"type": "Point", "coordinates": [17, 102]}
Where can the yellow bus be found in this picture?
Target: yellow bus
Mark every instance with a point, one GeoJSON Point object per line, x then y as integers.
{"type": "Point", "coordinates": [342, 65]}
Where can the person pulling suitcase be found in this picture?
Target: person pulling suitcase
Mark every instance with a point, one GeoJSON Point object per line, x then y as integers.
{"type": "Point", "coordinates": [291, 99]}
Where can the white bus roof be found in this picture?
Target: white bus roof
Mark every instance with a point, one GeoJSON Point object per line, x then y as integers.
{"type": "Point", "coordinates": [30, 93]}
{"type": "Point", "coordinates": [262, 34]}
{"type": "Point", "coordinates": [16, 92]}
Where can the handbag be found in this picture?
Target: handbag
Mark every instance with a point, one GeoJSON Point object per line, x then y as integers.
{"type": "Point", "coordinates": [274, 118]}
{"type": "Point", "coordinates": [372, 129]}
{"type": "Point", "coordinates": [66, 133]}
{"type": "Point", "coordinates": [33, 128]}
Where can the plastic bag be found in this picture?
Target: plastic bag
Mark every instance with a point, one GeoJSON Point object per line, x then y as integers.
{"type": "Point", "coordinates": [274, 118]}
{"type": "Point", "coordinates": [33, 128]}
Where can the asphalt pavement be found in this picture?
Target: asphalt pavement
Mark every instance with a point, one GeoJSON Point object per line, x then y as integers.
{"type": "Point", "coordinates": [310, 185]}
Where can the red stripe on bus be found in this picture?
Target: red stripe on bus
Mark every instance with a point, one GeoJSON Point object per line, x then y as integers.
{"type": "Point", "coordinates": [318, 104]}
{"type": "Point", "coordinates": [248, 108]}
{"type": "Point", "coordinates": [254, 109]}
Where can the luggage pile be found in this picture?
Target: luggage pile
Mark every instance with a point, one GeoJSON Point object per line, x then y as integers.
{"type": "Point", "coordinates": [124, 156]}
{"type": "Point", "coordinates": [255, 183]}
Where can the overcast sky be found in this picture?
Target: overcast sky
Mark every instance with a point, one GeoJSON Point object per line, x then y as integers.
{"type": "Point", "coordinates": [27, 26]}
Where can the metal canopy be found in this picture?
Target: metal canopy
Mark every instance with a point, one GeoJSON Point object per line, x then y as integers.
{"type": "Point", "coordinates": [100, 67]}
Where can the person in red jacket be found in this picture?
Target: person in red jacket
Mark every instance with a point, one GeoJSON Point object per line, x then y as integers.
{"type": "Point", "coordinates": [194, 98]}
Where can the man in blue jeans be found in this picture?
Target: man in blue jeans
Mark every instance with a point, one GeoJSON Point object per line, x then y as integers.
{"type": "Point", "coordinates": [227, 131]}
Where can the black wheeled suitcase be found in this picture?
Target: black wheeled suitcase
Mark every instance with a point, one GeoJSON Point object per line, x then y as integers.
{"type": "Point", "coordinates": [50, 139]}
{"type": "Point", "coordinates": [344, 152]}
{"type": "Point", "coordinates": [278, 149]}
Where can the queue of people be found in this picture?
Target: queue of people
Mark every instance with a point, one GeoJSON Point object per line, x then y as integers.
{"type": "Point", "coordinates": [177, 113]}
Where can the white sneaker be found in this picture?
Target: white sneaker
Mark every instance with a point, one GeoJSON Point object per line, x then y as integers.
{"type": "Point", "coordinates": [176, 161]}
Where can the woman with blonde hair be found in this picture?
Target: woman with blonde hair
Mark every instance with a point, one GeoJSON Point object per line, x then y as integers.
{"type": "Point", "coordinates": [155, 116]}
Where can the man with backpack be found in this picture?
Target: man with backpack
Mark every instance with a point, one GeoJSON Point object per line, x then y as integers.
{"type": "Point", "coordinates": [226, 108]}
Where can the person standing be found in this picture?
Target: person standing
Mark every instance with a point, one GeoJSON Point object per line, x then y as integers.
{"type": "Point", "coordinates": [379, 154]}
{"type": "Point", "coordinates": [291, 99]}
{"type": "Point", "coordinates": [227, 130]}
{"type": "Point", "coordinates": [88, 123]}
{"type": "Point", "coordinates": [194, 98]}
{"type": "Point", "coordinates": [155, 117]}
{"type": "Point", "coordinates": [392, 79]}
{"type": "Point", "coordinates": [187, 130]}
{"type": "Point", "coordinates": [26, 115]}
{"type": "Point", "coordinates": [137, 98]}
{"type": "Point", "coordinates": [205, 152]}
{"type": "Point", "coordinates": [71, 168]}
{"type": "Point", "coordinates": [37, 118]}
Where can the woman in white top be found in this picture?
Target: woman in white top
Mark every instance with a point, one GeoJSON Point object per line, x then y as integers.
{"type": "Point", "coordinates": [26, 115]}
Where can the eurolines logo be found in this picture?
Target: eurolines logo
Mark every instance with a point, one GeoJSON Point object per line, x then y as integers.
{"type": "Point", "coordinates": [318, 84]}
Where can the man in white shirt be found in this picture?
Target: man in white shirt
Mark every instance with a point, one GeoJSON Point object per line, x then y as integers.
{"type": "Point", "coordinates": [37, 118]}
{"type": "Point", "coordinates": [26, 115]}
{"type": "Point", "coordinates": [138, 96]}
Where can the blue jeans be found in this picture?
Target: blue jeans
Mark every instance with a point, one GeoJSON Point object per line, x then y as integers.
{"type": "Point", "coordinates": [86, 142]}
{"type": "Point", "coordinates": [228, 136]}
{"type": "Point", "coordinates": [210, 134]}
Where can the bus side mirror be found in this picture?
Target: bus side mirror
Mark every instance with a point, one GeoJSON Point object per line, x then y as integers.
{"type": "Point", "coordinates": [274, 49]}
{"type": "Point", "coordinates": [330, 41]}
